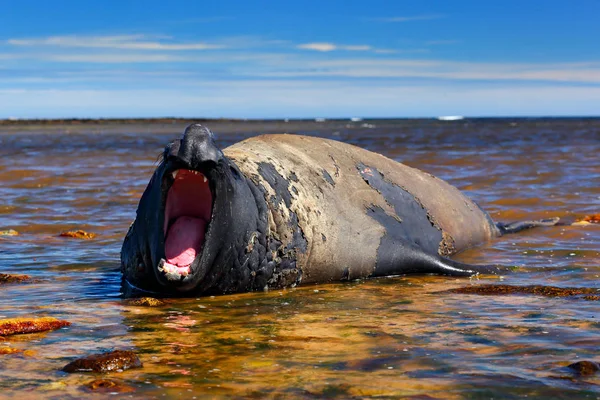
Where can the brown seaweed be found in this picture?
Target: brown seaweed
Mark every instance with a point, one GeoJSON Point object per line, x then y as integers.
{"type": "Point", "coordinates": [13, 278]}
{"type": "Point", "coordinates": [9, 350]}
{"type": "Point", "coordinates": [15, 326]}
{"type": "Point", "coordinates": [79, 234]}
{"type": "Point", "coordinates": [540, 290]}
{"type": "Point", "coordinates": [588, 219]}
{"type": "Point", "coordinates": [145, 302]}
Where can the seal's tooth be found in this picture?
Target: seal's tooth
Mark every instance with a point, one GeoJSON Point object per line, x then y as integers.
{"type": "Point", "coordinates": [205, 179]}
{"type": "Point", "coordinates": [174, 174]}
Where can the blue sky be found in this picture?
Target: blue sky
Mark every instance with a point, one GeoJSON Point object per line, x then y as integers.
{"type": "Point", "coordinates": [244, 59]}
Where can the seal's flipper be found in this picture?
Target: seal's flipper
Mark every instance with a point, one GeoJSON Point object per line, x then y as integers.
{"type": "Point", "coordinates": [406, 258]}
{"type": "Point", "coordinates": [518, 226]}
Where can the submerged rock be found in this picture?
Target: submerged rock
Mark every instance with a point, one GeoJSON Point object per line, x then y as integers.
{"type": "Point", "coordinates": [105, 362]}
{"type": "Point", "coordinates": [79, 234]}
{"type": "Point", "coordinates": [15, 326]}
{"type": "Point", "coordinates": [108, 385]}
{"type": "Point", "coordinates": [585, 368]}
{"type": "Point", "coordinates": [13, 278]}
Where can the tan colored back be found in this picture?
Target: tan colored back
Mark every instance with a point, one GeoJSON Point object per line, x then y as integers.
{"type": "Point", "coordinates": [340, 234]}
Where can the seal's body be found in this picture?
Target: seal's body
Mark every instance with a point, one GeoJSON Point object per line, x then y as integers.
{"type": "Point", "coordinates": [280, 210]}
{"type": "Point", "coordinates": [349, 213]}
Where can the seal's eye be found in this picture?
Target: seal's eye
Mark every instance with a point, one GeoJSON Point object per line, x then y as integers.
{"type": "Point", "coordinates": [188, 210]}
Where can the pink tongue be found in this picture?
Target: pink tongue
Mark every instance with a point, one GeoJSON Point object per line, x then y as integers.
{"type": "Point", "coordinates": [184, 240]}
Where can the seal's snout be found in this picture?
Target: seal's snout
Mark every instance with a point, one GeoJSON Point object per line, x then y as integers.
{"type": "Point", "coordinates": [198, 147]}
{"type": "Point", "coordinates": [187, 199]}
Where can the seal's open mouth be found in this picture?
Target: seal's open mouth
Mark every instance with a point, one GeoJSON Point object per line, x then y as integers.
{"type": "Point", "coordinates": [188, 210]}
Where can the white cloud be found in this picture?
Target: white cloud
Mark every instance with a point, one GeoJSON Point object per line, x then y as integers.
{"type": "Point", "coordinates": [247, 64]}
{"type": "Point", "coordinates": [129, 42]}
{"type": "Point", "coordinates": [325, 47]}
{"type": "Point", "coordinates": [318, 46]}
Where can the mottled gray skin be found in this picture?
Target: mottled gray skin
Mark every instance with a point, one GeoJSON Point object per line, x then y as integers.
{"type": "Point", "coordinates": [291, 209]}
{"type": "Point", "coordinates": [355, 208]}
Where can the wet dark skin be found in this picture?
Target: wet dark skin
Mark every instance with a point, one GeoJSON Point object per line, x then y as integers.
{"type": "Point", "coordinates": [280, 218]}
{"type": "Point", "coordinates": [238, 213]}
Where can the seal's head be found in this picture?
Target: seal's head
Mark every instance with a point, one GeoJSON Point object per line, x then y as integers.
{"type": "Point", "coordinates": [196, 212]}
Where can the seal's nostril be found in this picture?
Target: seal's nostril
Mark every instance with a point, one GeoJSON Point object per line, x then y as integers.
{"type": "Point", "coordinates": [198, 147]}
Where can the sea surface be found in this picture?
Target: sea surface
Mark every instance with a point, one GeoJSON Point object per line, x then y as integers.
{"type": "Point", "coordinates": [397, 337]}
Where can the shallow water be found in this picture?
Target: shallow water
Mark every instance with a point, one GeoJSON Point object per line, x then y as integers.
{"type": "Point", "coordinates": [391, 337]}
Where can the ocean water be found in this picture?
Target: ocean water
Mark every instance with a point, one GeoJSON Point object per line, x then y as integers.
{"type": "Point", "coordinates": [397, 337]}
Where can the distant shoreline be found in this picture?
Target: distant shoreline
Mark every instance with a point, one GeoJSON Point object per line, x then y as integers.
{"type": "Point", "coordinates": [99, 121]}
{"type": "Point", "coordinates": [171, 125]}
{"type": "Point", "coordinates": [178, 120]}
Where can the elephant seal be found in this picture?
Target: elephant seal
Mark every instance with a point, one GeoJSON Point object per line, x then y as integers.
{"type": "Point", "coordinates": [278, 210]}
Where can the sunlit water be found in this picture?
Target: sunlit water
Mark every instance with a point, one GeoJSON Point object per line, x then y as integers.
{"type": "Point", "coordinates": [392, 337]}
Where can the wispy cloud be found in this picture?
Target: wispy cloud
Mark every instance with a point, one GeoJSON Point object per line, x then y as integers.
{"type": "Point", "coordinates": [10, 56]}
{"type": "Point", "coordinates": [302, 66]}
{"type": "Point", "coordinates": [326, 47]}
{"type": "Point", "coordinates": [113, 58]}
{"type": "Point", "coordinates": [268, 98]}
{"type": "Point", "coordinates": [128, 42]}
{"type": "Point", "coordinates": [426, 17]}
{"type": "Point", "coordinates": [372, 68]}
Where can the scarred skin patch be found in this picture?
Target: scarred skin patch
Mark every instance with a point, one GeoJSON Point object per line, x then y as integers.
{"type": "Point", "coordinates": [409, 220]}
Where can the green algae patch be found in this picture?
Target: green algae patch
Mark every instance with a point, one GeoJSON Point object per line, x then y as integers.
{"type": "Point", "coordinates": [145, 302]}
{"type": "Point", "coordinates": [105, 362]}
{"type": "Point", "coordinates": [9, 232]}
{"type": "Point", "coordinates": [11, 278]}
{"type": "Point", "coordinates": [16, 326]}
{"type": "Point", "coordinates": [539, 290]}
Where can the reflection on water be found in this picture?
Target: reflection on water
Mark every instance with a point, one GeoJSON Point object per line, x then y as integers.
{"type": "Point", "coordinates": [392, 337]}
